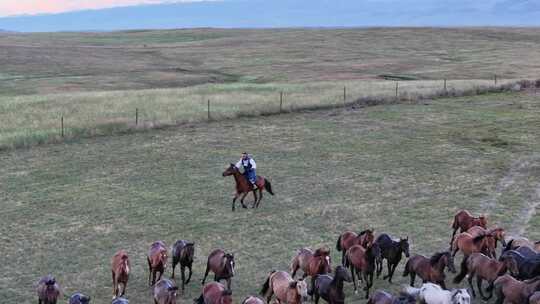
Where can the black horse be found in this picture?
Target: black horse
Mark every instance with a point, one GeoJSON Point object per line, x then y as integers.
{"type": "Point", "coordinates": [183, 252]}
{"type": "Point", "coordinates": [391, 251]}
{"type": "Point", "coordinates": [331, 288]}
{"type": "Point", "coordinates": [528, 266]}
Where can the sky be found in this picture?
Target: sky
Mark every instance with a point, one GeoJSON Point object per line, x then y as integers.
{"type": "Point", "coordinates": [32, 7]}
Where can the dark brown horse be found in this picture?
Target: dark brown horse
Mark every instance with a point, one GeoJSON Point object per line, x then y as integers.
{"type": "Point", "coordinates": [48, 290]}
{"type": "Point", "coordinates": [215, 293]}
{"type": "Point", "coordinates": [463, 220]}
{"type": "Point", "coordinates": [157, 261]}
{"type": "Point", "coordinates": [483, 268]}
{"type": "Point", "coordinates": [120, 272]}
{"type": "Point", "coordinates": [348, 239]}
{"type": "Point", "coordinates": [512, 291]}
{"type": "Point", "coordinates": [430, 270]}
{"type": "Point", "coordinates": [222, 265]}
{"type": "Point", "coordinates": [331, 288]}
{"type": "Point", "coordinates": [383, 297]}
{"type": "Point", "coordinates": [391, 251]}
{"type": "Point", "coordinates": [363, 262]}
{"type": "Point", "coordinates": [183, 252]}
{"type": "Point", "coordinates": [244, 187]}
{"type": "Point", "coordinates": [252, 300]}
{"type": "Point", "coordinates": [165, 292]}
{"type": "Point", "coordinates": [286, 289]}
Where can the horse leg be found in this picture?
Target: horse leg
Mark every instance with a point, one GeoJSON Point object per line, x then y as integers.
{"type": "Point", "coordinates": [469, 280]}
{"type": "Point", "coordinates": [316, 297]}
{"type": "Point", "coordinates": [113, 286]}
{"type": "Point", "coordinates": [124, 287]}
{"type": "Point", "coordinates": [479, 285]}
{"type": "Point", "coordinates": [242, 200]}
{"type": "Point", "coordinates": [205, 273]}
{"type": "Point", "coordinates": [229, 282]}
{"type": "Point", "coordinates": [353, 278]}
{"type": "Point", "coordinates": [183, 274]}
{"type": "Point", "coordinates": [389, 269]}
{"type": "Point", "coordinates": [391, 274]}
{"type": "Point", "coordinates": [234, 200]}
{"type": "Point", "coordinates": [190, 273]}
{"type": "Point", "coordinates": [255, 199]}
{"type": "Point", "coordinates": [260, 198]}
{"type": "Point", "coordinates": [413, 277]}
{"type": "Point", "coordinates": [149, 272]}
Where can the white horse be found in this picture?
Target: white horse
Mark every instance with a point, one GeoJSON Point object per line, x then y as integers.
{"type": "Point", "coordinates": [431, 293]}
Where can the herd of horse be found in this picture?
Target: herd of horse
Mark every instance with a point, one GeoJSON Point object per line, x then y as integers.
{"type": "Point", "coordinates": [514, 276]}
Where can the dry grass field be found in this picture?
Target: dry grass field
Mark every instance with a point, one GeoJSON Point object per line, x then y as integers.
{"type": "Point", "coordinates": [402, 169]}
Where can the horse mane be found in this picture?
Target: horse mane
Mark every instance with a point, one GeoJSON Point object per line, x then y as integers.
{"type": "Point", "coordinates": [365, 231]}
{"type": "Point", "coordinates": [433, 260]}
{"type": "Point", "coordinates": [479, 238]}
{"type": "Point", "coordinates": [323, 251]}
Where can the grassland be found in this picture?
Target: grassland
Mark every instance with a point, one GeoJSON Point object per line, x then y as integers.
{"type": "Point", "coordinates": [402, 169]}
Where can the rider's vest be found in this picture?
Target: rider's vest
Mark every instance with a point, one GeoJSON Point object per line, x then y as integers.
{"type": "Point", "coordinates": [246, 164]}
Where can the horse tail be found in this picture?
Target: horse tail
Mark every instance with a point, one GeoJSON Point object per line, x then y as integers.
{"type": "Point", "coordinates": [266, 284]}
{"type": "Point", "coordinates": [338, 244]}
{"type": "Point", "coordinates": [463, 271]}
{"type": "Point", "coordinates": [455, 223]}
{"type": "Point", "coordinates": [199, 300]}
{"type": "Point", "coordinates": [406, 270]}
{"type": "Point", "coordinates": [268, 186]}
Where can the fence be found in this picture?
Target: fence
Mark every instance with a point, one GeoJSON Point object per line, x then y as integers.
{"type": "Point", "coordinates": [109, 111]}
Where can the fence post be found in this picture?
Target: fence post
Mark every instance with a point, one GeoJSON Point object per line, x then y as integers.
{"type": "Point", "coordinates": [281, 102]}
{"type": "Point", "coordinates": [209, 109]}
{"type": "Point", "coordinates": [62, 125]}
{"type": "Point", "coordinates": [136, 116]}
{"type": "Point", "coordinates": [344, 96]}
{"type": "Point", "coordinates": [397, 90]}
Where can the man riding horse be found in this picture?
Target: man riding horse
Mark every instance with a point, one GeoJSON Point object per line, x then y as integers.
{"type": "Point", "coordinates": [249, 166]}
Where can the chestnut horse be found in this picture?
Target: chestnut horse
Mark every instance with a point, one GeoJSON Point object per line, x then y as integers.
{"type": "Point", "coordinates": [430, 270]}
{"type": "Point", "coordinates": [512, 291]}
{"type": "Point", "coordinates": [331, 288]}
{"type": "Point", "coordinates": [252, 300]}
{"type": "Point", "coordinates": [484, 268]}
{"type": "Point", "coordinates": [120, 272]}
{"type": "Point", "coordinates": [383, 297]}
{"type": "Point", "coordinates": [348, 239]}
{"type": "Point", "coordinates": [215, 293]}
{"type": "Point", "coordinates": [157, 261]}
{"type": "Point", "coordinates": [463, 220]}
{"type": "Point", "coordinates": [48, 290]}
{"type": "Point", "coordinates": [469, 244]}
{"type": "Point", "coordinates": [165, 292]}
{"type": "Point", "coordinates": [244, 187]}
{"type": "Point", "coordinates": [183, 252]}
{"type": "Point", "coordinates": [493, 235]}
{"type": "Point", "coordinates": [222, 265]}
{"type": "Point", "coordinates": [362, 261]}
{"type": "Point", "coordinates": [286, 289]}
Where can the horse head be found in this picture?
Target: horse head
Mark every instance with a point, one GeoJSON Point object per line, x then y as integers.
{"type": "Point", "coordinates": [230, 170]}
{"type": "Point", "coordinates": [510, 262]}
{"type": "Point", "coordinates": [300, 288]}
{"type": "Point", "coordinates": [50, 280]}
{"type": "Point", "coordinates": [342, 273]}
{"type": "Point", "coordinates": [482, 221]}
{"type": "Point", "coordinates": [444, 259]}
{"type": "Point", "coordinates": [226, 297]}
{"type": "Point", "coordinates": [229, 263]}
{"type": "Point", "coordinates": [404, 245]}
{"type": "Point", "coordinates": [499, 234]}
{"type": "Point", "coordinates": [366, 237]}
{"type": "Point", "coordinates": [172, 293]}
{"type": "Point", "coordinates": [460, 296]}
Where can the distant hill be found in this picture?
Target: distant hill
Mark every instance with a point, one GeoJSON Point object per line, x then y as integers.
{"type": "Point", "coordinates": [288, 13]}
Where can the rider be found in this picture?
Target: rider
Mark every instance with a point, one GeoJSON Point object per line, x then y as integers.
{"type": "Point", "coordinates": [249, 166]}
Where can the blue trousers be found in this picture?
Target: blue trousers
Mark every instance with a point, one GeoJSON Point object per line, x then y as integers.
{"type": "Point", "coordinates": [251, 175]}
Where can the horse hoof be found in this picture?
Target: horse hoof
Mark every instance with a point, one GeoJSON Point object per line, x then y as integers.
{"type": "Point", "coordinates": [356, 292]}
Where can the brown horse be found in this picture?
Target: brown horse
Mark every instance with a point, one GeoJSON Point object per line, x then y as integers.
{"type": "Point", "coordinates": [512, 291]}
{"type": "Point", "coordinates": [48, 290]}
{"type": "Point", "coordinates": [252, 300]}
{"type": "Point", "coordinates": [183, 252]}
{"type": "Point", "coordinates": [244, 187]}
{"type": "Point", "coordinates": [215, 293]}
{"type": "Point", "coordinates": [383, 297]}
{"type": "Point", "coordinates": [286, 289]}
{"type": "Point", "coordinates": [157, 261]}
{"type": "Point", "coordinates": [348, 239]}
{"type": "Point", "coordinates": [493, 235]}
{"type": "Point", "coordinates": [463, 220]}
{"type": "Point", "coordinates": [363, 262]}
{"type": "Point", "coordinates": [311, 263]}
{"type": "Point", "coordinates": [165, 292]}
{"type": "Point", "coordinates": [120, 272]}
{"type": "Point", "coordinates": [430, 270]}
{"type": "Point", "coordinates": [535, 298]}
{"type": "Point", "coordinates": [469, 244]}
{"type": "Point", "coordinates": [484, 268]}
{"type": "Point", "coordinates": [222, 265]}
